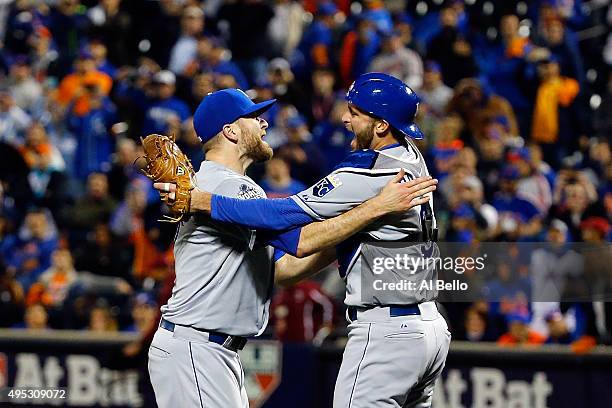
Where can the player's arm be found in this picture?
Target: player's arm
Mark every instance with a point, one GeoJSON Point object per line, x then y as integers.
{"type": "Point", "coordinates": [288, 270]}
{"type": "Point", "coordinates": [314, 237]}
{"type": "Point", "coordinates": [335, 194]}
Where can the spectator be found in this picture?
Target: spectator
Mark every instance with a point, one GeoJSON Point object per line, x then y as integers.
{"type": "Point", "coordinates": [475, 326]}
{"type": "Point", "coordinates": [104, 254]}
{"type": "Point", "coordinates": [323, 94]}
{"type": "Point", "coordinates": [277, 182]}
{"type": "Point", "coordinates": [93, 132]}
{"type": "Point", "coordinates": [451, 49]}
{"type": "Point", "coordinates": [359, 46]}
{"type": "Point", "coordinates": [101, 319]}
{"type": "Point", "coordinates": [595, 230]}
{"type": "Point", "coordinates": [36, 317]}
{"type": "Point", "coordinates": [75, 90]}
{"type": "Point", "coordinates": [28, 253]}
{"type": "Point", "coordinates": [26, 91]}
{"type": "Point", "coordinates": [550, 269]}
{"type": "Point", "coordinates": [505, 65]}
{"type": "Point", "coordinates": [165, 107]}
{"type": "Point", "coordinates": [144, 313]}
{"type": "Point", "coordinates": [476, 106]}
{"type": "Point", "coordinates": [286, 27]}
{"type": "Point", "coordinates": [99, 52]}
{"type": "Point", "coordinates": [533, 186]}
{"type": "Point", "coordinates": [287, 89]}
{"type": "Point", "coordinates": [434, 94]}
{"type": "Point", "coordinates": [202, 84]}
{"type": "Point", "coordinates": [11, 299]}
{"type": "Point", "coordinates": [13, 120]}
{"type": "Point", "coordinates": [94, 207]}
{"type": "Point", "coordinates": [306, 159]}
{"type": "Point", "coordinates": [399, 61]}
{"type": "Point", "coordinates": [128, 216]}
{"type": "Point", "coordinates": [316, 47]}
{"type": "Point", "coordinates": [111, 25]}
{"type": "Point", "coordinates": [562, 48]}
{"type": "Point", "coordinates": [213, 57]}
{"type": "Point", "coordinates": [184, 50]}
{"type": "Point", "coordinates": [123, 171]}
{"type": "Point", "coordinates": [303, 313]}
{"type": "Point", "coordinates": [518, 218]}
{"type": "Point", "coordinates": [44, 54]}
{"type": "Point", "coordinates": [519, 333]}
{"type": "Point", "coordinates": [248, 28]}
{"type": "Point", "coordinates": [575, 199]}
{"type": "Point", "coordinates": [54, 284]}
{"type": "Point", "coordinates": [191, 144]}
{"type": "Point", "coordinates": [66, 22]}
{"type": "Point", "coordinates": [47, 180]}
{"type": "Point", "coordinates": [38, 147]}
{"type": "Point", "coordinates": [554, 116]}
{"type": "Point", "coordinates": [332, 136]}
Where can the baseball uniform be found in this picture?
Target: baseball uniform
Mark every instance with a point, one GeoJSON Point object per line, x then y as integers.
{"type": "Point", "coordinates": [398, 341]}
{"type": "Point", "coordinates": [223, 286]}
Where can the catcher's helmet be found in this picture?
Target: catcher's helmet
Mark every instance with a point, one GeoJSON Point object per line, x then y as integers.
{"type": "Point", "coordinates": [388, 98]}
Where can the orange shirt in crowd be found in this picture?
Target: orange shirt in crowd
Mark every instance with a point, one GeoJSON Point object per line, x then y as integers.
{"type": "Point", "coordinates": [533, 338]}
{"type": "Point", "coordinates": [552, 94]}
{"type": "Point", "coordinates": [71, 86]}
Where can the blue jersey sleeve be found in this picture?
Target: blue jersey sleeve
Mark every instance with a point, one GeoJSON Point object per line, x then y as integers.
{"type": "Point", "coordinates": [273, 214]}
{"type": "Point", "coordinates": [278, 254]}
{"type": "Point", "coordinates": [286, 241]}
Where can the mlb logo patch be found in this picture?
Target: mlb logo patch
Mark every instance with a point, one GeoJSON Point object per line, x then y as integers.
{"type": "Point", "coordinates": [326, 185]}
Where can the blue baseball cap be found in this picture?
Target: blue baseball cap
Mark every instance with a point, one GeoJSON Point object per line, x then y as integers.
{"type": "Point", "coordinates": [327, 9]}
{"type": "Point", "coordinates": [223, 107]}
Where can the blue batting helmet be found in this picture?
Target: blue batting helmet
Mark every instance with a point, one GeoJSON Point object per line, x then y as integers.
{"type": "Point", "coordinates": [388, 98]}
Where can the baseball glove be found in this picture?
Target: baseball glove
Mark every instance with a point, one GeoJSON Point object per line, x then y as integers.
{"type": "Point", "coordinates": [167, 164]}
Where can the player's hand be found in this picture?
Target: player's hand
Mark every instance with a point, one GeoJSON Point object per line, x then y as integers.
{"type": "Point", "coordinates": [167, 191]}
{"type": "Point", "coordinates": [398, 196]}
{"type": "Point", "coordinates": [200, 200]}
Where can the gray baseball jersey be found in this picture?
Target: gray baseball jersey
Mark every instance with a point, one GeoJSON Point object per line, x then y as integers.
{"type": "Point", "coordinates": [354, 181]}
{"type": "Point", "coordinates": [223, 279]}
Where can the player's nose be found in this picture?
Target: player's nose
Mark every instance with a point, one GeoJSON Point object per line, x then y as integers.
{"type": "Point", "coordinates": [346, 118]}
{"type": "Point", "coordinates": [263, 123]}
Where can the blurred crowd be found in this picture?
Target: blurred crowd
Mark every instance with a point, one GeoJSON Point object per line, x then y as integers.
{"type": "Point", "coordinates": [516, 108]}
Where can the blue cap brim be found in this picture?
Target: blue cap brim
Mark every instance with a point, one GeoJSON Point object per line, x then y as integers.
{"type": "Point", "coordinates": [412, 131]}
{"type": "Point", "coordinates": [258, 108]}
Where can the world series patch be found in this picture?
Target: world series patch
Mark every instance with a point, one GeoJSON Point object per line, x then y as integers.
{"type": "Point", "coordinates": [326, 185]}
{"type": "Point", "coordinates": [248, 192]}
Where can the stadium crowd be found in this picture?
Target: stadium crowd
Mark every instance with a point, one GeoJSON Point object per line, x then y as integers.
{"type": "Point", "coordinates": [516, 109]}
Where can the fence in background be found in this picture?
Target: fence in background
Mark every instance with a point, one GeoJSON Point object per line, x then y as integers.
{"type": "Point", "coordinates": [93, 371]}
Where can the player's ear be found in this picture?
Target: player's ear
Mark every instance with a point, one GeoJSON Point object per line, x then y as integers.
{"type": "Point", "coordinates": [381, 127]}
{"type": "Point", "coordinates": [230, 132]}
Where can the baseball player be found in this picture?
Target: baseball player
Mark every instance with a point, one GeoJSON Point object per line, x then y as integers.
{"type": "Point", "coordinates": [225, 273]}
{"type": "Point", "coordinates": [398, 342]}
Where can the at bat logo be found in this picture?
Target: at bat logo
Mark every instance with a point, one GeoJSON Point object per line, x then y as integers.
{"type": "Point", "coordinates": [326, 185]}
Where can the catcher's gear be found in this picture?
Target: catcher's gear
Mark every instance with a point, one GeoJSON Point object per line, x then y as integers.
{"type": "Point", "coordinates": [166, 163]}
{"type": "Point", "coordinates": [388, 98]}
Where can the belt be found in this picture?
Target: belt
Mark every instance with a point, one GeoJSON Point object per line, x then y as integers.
{"type": "Point", "coordinates": [233, 343]}
{"type": "Point", "coordinates": [394, 311]}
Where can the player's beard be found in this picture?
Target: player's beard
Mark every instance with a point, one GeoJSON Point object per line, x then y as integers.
{"type": "Point", "coordinates": [363, 138]}
{"type": "Point", "coordinates": [254, 147]}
